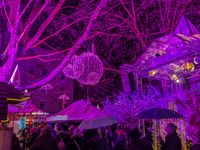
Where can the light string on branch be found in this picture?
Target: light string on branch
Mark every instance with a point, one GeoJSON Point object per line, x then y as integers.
{"type": "Point", "coordinates": [86, 68]}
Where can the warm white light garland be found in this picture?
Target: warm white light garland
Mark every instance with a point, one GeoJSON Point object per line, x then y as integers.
{"type": "Point", "coordinates": [69, 70]}
{"type": "Point", "coordinates": [93, 68]}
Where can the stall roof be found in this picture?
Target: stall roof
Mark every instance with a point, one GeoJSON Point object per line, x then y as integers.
{"type": "Point", "coordinates": [29, 108]}
{"type": "Point", "coordinates": [75, 112]}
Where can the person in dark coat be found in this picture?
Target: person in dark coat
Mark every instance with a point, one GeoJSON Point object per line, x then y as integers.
{"type": "Point", "coordinates": [76, 141]}
{"type": "Point", "coordinates": [58, 127]}
{"type": "Point", "coordinates": [31, 137]}
{"type": "Point", "coordinates": [45, 141]}
{"type": "Point", "coordinates": [96, 143]}
{"type": "Point", "coordinates": [26, 132]}
{"type": "Point", "coordinates": [53, 131]}
{"type": "Point", "coordinates": [137, 143]}
{"type": "Point", "coordinates": [15, 143]}
{"type": "Point", "coordinates": [121, 143]}
{"type": "Point", "coordinates": [88, 134]}
{"type": "Point", "coordinates": [172, 140]}
{"type": "Point", "coordinates": [148, 139]}
{"type": "Point", "coordinates": [63, 135]}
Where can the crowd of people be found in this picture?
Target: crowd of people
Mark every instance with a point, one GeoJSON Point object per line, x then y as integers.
{"type": "Point", "coordinates": [69, 137]}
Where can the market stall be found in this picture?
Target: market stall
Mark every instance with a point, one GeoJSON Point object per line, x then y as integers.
{"type": "Point", "coordinates": [30, 115]}
{"type": "Point", "coordinates": [75, 112]}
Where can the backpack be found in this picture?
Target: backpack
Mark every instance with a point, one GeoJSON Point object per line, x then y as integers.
{"type": "Point", "coordinates": [61, 144]}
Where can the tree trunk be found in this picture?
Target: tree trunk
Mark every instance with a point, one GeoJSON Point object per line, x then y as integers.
{"type": "Point", "coordinates": [7, 70]}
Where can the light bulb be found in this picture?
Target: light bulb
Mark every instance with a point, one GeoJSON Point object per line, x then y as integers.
{"type": "Point", "coordinates": [174, 76]}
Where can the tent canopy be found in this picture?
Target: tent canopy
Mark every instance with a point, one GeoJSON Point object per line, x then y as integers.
{"type": "Point", "coordinates": [29, 108]}
{"type": "Point", "coordinates": [74, 112]}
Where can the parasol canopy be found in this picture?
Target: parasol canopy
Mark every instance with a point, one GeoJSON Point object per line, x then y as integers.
{"type": "Point", "coordinates": [158, 113]}
{"type": "Point", "coordinates": [75, 112]}
{"type": "Point", "coordinates": [97, 122]}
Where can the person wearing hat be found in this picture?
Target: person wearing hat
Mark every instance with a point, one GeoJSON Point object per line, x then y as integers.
{"type": "Point", "coordinates": [121, 143]}
{"type": "Point", "coordinates": [45, 141]}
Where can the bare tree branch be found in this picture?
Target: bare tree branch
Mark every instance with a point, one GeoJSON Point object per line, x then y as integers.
{"type": "Point", "coordinates": [68, 25]}
{"type": "Point", "coordinates": [37, 56]}
{"type": "Point", "coordinates": [4, 8]}
{"type": "Point", "coordinates": [74, 49]}
{"type": "Point", "coordinates": [24, 11]}
{"type": "Point", "coordinates": [44, 25]}
{"type": "Point", "coordinates": [27, 26]}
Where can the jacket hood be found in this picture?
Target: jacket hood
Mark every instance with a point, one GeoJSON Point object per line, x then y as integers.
{"type": "Point", "coordinates": [121, 138]}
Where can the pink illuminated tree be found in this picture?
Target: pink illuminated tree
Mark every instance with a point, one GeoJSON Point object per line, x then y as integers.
{"type": "Point", "coordinates": [121, 31]}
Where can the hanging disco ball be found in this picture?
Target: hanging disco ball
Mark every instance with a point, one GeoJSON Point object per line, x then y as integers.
{"type": "Point", "coordinates": [93, 69]}
{"type": "Point", "coordinates": [69, 69]}
{"type": "Point", "coordinates": [197, 60]}
{"type": "Point", "coordinates": [152, 73]}
{"type": "Point", "coordinates": [187, 67]}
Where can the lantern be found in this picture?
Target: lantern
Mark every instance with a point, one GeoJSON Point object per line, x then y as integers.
{"type": "Point", "coordinates": [69, 69]}
{"type": "Point", "coordinates": [187, 67]}
{"type": "Point", "coordinates": [93, 68]}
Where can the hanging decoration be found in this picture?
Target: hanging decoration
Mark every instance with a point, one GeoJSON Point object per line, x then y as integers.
{"type": "Point", "coordinates": [64, 98]}
{"type": "Point", "coordinates": [197, 60]}
{"type": "Point", "coordinates": [152, 73]}
{"type": "Point", "coordinates": [69, 69]}
{"type": "Point", "coordinates": [46, 87]}
{"type": "Point", "coordinates": [88, 104]}
{"type": "Point", "coordinates": [93, 68]}
{"type": "Point", "coordinates": [187, 67]}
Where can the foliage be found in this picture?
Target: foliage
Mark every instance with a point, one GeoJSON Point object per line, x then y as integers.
{"type": "Point", "coordinates": [126, 106]}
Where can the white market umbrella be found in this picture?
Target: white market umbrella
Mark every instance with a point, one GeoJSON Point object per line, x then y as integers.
{"type": "Point", "coordinates": [97, 122]}
{"type": "Point", "coordinates": [46, 87]}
